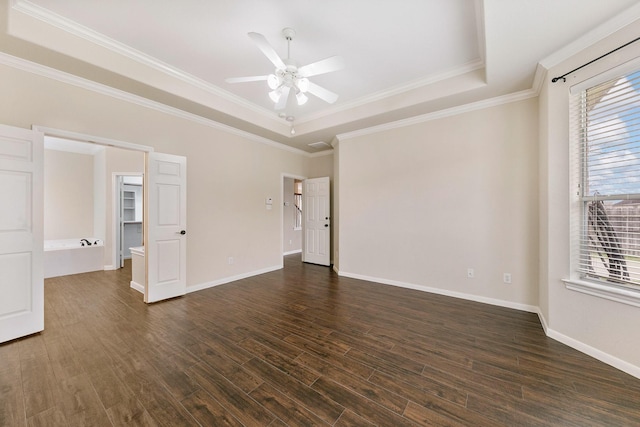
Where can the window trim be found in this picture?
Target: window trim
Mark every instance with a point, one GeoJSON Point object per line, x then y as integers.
{"type": "Point", "coordinates": [610, 291]}
{"type": "Point", "coordinates": [621, 293]}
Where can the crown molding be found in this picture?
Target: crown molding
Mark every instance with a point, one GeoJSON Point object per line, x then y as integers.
{"type": "Point", "coordinates": [85, 33]}
{"type": "Point", "coordinates": [69, 26]}
{"type": "Point", "coordinates": [597, 34]}
{"type": "Point", "coordinates": [454, 111]}
{"type": "Point", "coordinates": [60, 76]}
{"type": "Point", "coordinates": [105, 142]}
{"type": "Point", "coordinates": [321, 153]}
{"type": "Point", "coordinates": [539, 78]}
{"type": "Point", "coordinates": [396, 90]}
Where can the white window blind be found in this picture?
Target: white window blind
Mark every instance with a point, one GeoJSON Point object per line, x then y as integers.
{"type": "Point", "coordinates": [606, 130]}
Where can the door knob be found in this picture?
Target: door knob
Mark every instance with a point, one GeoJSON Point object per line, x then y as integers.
{"type": "Point", "coordinates": [326, 225]}
{"type": "Point", "coordinates": [183, 232]}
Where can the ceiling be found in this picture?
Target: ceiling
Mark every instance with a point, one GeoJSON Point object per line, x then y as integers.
{"type": "Point", "coordinates": [403, 58]}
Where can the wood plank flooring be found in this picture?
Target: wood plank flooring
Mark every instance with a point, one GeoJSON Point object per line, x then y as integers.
{"type": "Point", "coordinates": [298, 347]}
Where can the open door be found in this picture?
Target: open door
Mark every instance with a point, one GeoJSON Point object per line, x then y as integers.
{"type": "Point", "coordinates": [165, 240]}
{"type": "Point", "coordinates": [21, 232]}
{"type": "Point", "coordinates": [316, 244]}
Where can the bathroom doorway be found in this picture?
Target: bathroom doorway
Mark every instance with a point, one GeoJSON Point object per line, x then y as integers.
{"type": "Point", "coordinates": [79, 202]}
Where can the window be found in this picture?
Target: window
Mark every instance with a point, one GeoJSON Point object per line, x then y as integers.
{"type": "Point", "coordinates": [606, 118]}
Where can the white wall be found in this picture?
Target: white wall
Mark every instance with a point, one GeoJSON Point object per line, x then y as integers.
{"type": "Point", "coordinates": [603, 328]}
{"type": "Point", "coordinates": [229, 175]}
{"type": "Point", "coordinates": [68, 195]}
{"type": "Point", "coordinates": [419, 205]}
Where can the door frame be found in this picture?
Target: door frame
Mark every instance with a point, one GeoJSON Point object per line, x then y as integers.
{"type": "Point", "coordinates": [326, 261]}
{"type": "Point", "coordinates": [165, 226]}
{"type": "Point", "coordinates": [116, 185]}
{"type": "Point", "coordinates": [282, 177]}
{"type": "Point", "coordinates": [92, 139]}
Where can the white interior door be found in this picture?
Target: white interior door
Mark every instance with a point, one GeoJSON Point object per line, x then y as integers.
{"type": "Point", "coordinates": [165, 189]}
{"type": "Point", "coordinates": [316, 225]}
{"type": "Point", "coordinates": [21, 233]}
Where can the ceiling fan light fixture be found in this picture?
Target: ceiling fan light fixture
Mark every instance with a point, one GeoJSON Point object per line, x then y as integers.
{"type": "Point", "coordinates": [303, 84]}
{"type": "Point", "coordinates": [275, 95]}
{"type": "Point", "coordinates": [302, 98]}
{"type": "Point", "coordinates": [288, 77]}
{"type": "Point", "coordinates": [273, 81]}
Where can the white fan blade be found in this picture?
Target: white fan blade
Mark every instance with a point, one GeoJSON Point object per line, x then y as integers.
{"type": "Point", "coordinates": [282, 102]}
{"type": "Point", "coordinates": [246, 79]}
{"type": "Point", "coordinates": [268, 51]}
{"type": "Point", "coordinates": [322, 93]}
{"type": "Point", "coordinates": [327, 65]}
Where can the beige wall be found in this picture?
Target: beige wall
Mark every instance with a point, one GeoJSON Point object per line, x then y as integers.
{"type": "Point", "coordinates": [68, 195]}
{"type": "Point", "coordinates": [603, 328]}
{"type": "Point", "coordinates": [229, 176]}
{"type": "Point", "coordinates": [419, 205]}
{"type": "Point", "coordinates": [321, 166]}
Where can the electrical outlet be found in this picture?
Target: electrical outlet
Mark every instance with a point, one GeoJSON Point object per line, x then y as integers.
{"type": "Point", "coordinates": [230, 260]}
{"type": "Point", "coordinates": [470, 273]}
{"type": "Point", "coordinates": [506, 277]}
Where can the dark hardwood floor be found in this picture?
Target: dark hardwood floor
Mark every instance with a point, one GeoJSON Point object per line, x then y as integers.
{"type": "Point", "coordinates": [298, 347]}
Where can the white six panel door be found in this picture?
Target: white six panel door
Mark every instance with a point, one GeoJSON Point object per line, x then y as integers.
{"type": "Point", "coordinates": [166, 224]}
{"type": "Point", "coordinates": [21, 233]}
{"type": "Point", "coordinates": [317, 227]}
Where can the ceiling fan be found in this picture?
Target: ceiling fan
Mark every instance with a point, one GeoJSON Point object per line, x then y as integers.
{"type": "Point", "coordinates": [288, 77]}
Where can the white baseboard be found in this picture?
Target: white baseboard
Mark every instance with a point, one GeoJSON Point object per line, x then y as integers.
{"type": "Point", "coordinates": [595, 353]}
{"type": "Point", "coordinates": [578, 345]}
{"type": "Point", "coordinates": [137, 286]}
{"type": "Point", "coordinates": [297, 251]}
{"type": "Point", "coordinates": [587, 349]}
{"type": "Point", "coordinates": [543, 322]}
{"type": "Point", "coordinates": [202, 286]}
{"type": "Point", "coordinates": [461, 295]}
{"type": "Point", "coordinates": [109, 267]}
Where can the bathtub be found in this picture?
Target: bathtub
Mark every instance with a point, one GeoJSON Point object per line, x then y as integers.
{"type": "Point", "coordinates": [68, 256]}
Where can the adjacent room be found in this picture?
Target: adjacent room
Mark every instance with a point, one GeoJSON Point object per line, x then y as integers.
{"type": "Point", "coordinates": [341, 213]}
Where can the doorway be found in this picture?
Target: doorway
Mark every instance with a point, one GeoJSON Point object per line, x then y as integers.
{"type": "Point", "coordinates": [100, 159]}
{"type": "Point", "coordinates": [128, 215]}
{"type": "Point", "coordinates": [291, 214]}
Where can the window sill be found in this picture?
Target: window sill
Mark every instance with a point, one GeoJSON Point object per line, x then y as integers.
{"type": "Point", "coordinates": [611, 292]}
